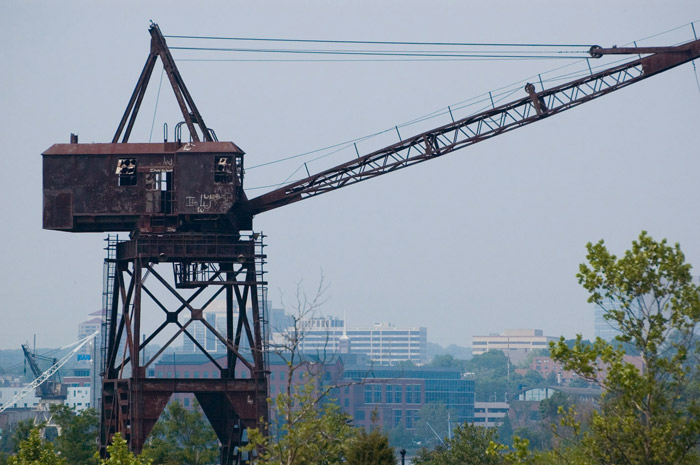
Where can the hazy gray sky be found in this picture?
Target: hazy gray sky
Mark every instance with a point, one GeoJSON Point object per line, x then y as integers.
{"type": "Point", "coordinates": [485, 239]}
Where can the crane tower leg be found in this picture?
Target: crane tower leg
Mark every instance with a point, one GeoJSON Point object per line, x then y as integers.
{"type": "Point", "coordinates": [206, 268]}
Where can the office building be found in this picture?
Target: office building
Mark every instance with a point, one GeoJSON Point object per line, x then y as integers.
{"type": "Point", "coordinates": [603, 328]}
{"type": "Point", "coordinates": [383, 343]}
{"type": "Point", "coordinates": [515, 343]}
{"type": "Point", "coordinates": [490, 414]}
{"type": "Point", "coordinates": [392, 397]}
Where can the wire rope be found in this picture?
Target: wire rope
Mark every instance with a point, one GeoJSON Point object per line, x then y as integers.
{"type": "Point", "coordinates": [497, 95]}
{"type": "Point", "coordinates": [155, 110]}
{"type": "Point", "coordinates": [509, 55]}
{"type": "Point", "coordinates": [375, 42]}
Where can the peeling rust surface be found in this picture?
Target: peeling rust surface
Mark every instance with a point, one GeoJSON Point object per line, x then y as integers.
{"type": "Point", "coordinates": [161, 187]}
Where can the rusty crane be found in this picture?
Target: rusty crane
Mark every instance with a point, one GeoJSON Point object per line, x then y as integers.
{"type": "Point", "coordinates": [185, 205]}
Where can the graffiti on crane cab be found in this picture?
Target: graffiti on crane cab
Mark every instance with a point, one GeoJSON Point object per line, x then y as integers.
{"type": "Point", "coordinates": [203, 203]}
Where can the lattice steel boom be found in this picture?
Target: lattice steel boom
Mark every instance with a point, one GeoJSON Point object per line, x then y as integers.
{"type": "Point", "coordinates": [476, 128]}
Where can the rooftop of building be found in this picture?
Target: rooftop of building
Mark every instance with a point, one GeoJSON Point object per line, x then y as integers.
{"type": "Point", "coordinates": [373, 372]}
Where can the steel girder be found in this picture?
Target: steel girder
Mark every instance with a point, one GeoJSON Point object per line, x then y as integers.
{"type": "Point", "coordinates": [132, 401]}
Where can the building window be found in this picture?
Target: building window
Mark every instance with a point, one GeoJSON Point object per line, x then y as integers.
{"type": "Point", "coordinates": [126, 170]}
{"type": "Point", "coordinates": [196, 374]}
{"type": "Point", "coordinates": [223, 170]}
{"type": "Point", "coordinates": [411, 416]}
{"type": "Point", "coordinates": [359, 415]}
{"type": "Point", "coordinates": [397, 418]}
{"type": "Point", "coordinates": [373, 393]}
{"type": "Point", "coordinates": [187, 402]}
{"type": "Point", "coordinates": [413, 394]}
{"type": "Point", "coordinates": [187, 374]}
{"type": "Point", "coordinates": [394, 393]}
{"type": "Point", "coordinates": [205, 374]}
{"type": "Point", "coordinates": [347, 402]}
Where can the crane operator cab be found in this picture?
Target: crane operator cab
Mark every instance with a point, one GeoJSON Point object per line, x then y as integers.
{"type": "Point", "coordinates": [161, 187]}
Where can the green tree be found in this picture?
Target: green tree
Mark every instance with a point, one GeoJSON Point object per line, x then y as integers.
{"type": "Point", "coordinates": [431, 426]}
{"type": "Point", "coordinates": [580, 383]}
{"type": "Point", "coordinates": [306, 426]}
{"type": "Point", "coordinates": [532, 379]}
{"type": "Point", "coordinates": [550, 408]}
{"type": "Point", "coordinates": [370, 449]}
{"type": "Point", "coordinates": [401, 438]}
{"type": "Point", "coordinates": [505, 432]}
{"type": "Point", "coordinates": [495, 377]}
{"type": "Point", "coordinates": [182, 436]}
{"type": "Point", "coordinates": [448, 361]}
{"type": "Point", "coordinates": [119, 454]}
{"type": "Point", "coordinates": [35, 451]}
{"type": "Point", "coordinates": [646, 417]}
{"type": "Point", "coordinates": [77, 442]}
{"type": "Point", "coordinates": [12, 437]}
{"type": "Point", "coordinates": [309, 430]}
{"type": "Point", "coordinates": [469, 446]}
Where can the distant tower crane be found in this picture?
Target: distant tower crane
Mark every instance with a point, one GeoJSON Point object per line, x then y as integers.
{"type": "Point", "coordinates": [184, 205]}
{"type": "Point", "coordinates": [44, 377]}
{"type": "Point", "coordinates": [51, 391]}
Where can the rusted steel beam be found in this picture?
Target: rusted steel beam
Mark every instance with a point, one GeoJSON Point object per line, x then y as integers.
{"type": "Point", "coordinates": [476, 128]}
{"type": "Point", "coordinates": [190, 113]}
{"type": "Point", "coordinates": [597, 51]}
{"type": "Point", "coordinates": [132, 402]}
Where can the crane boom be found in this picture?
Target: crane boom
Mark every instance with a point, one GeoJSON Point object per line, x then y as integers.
{"type": "Point", "coordinates": [476, 128]}
{"type": "Point", "coordinates": [34, 366]}
{"type": "Point", "coordinates": [42, 377]}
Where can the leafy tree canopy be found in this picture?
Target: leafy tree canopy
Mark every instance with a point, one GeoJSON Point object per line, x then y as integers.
{"type": "Point", "coordinates": [35, 451]}
{"type": "Point", "coordinates": [182, 437]}
{"type": "Point", "coordinates": [469, 446]}
{"type": "Point", "coordinates": [647, 416]}
{"type": "Point", "coordinates": [77, 442]}
{"type": "Point", "coordinates": [119, 454]}
{"type": "Point", "coordinates": [370, 449]}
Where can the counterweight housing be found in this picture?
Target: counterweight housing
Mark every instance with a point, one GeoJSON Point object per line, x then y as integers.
{"type": "Point", "coordinates": [146, 187]}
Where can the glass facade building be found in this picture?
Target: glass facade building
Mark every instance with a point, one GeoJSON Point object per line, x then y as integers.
{"type": "Point", "coordinates": [395, 396]}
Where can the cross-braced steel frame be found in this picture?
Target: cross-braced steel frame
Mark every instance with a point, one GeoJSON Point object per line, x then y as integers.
{"type": "Point", "coordinates": [224, 264]}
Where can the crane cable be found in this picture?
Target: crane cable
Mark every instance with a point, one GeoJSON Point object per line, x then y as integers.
{"type": "Point", "coordinates": [511, 50]}
{"type": "Point", "coordinates": [415, 56]}
{"type": "Point", "coordinates": [376, 42]}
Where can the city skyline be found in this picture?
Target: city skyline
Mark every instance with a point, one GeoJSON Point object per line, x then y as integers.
{"type": "Point", "coordinates": [502, 225]}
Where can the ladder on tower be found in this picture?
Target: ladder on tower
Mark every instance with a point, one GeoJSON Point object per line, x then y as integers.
{"type": "Point", "coordinates": [108, 277]}
{"type": "Point", "coordinates": [260, 261]}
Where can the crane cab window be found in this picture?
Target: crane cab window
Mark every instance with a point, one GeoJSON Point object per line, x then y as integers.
{"type": "Point", "coordinates": [126, 170]}
{"type": "Point", "coordinates": [223, 170]}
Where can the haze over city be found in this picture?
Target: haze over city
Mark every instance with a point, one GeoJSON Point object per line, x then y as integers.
{"type": "Point", "coordinates": [485, 239]}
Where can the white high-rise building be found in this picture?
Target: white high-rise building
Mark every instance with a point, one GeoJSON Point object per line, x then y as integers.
{"type": "Point", "coordinates": [215, 315]}
{"type": "Point", "coordinates": [383, 343]}
{"type": "Point", "coordinates": [515, 343]}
